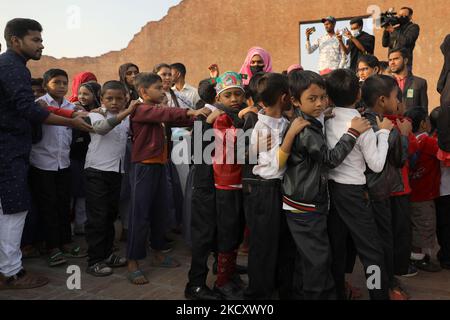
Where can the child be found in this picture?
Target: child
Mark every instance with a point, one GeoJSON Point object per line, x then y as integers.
{"type": "Point", "coordinates": [37, 85]}
{"type": "Point", "coordinates": [150, 154]}
{"type": "Point", "coordinates": [380, 95]}
{"type": "Point", "coordinates": [425, 183]}
{"type": "Point", "coordinates": [78, 80]}
{"type": "Point", "coordinates": [228, 181]}
{"type": "Point", "coordinates": [442, 203]}
{"type": "Point", "coordinates": [50, 174]}
{"type": "Point", "coordinates": [263, 204]}
{"type": "Point", "coordinates": [203, 206]}
{"type": "Point", "coordinates": [351, 214]}
{"type": "Point", "coordinates": [305, 190]}
{"type": "Point", "coordinates": [104, 168]}
{"type": "Point", "coordinates": [368, 65]}
{"type": "Point", "coordinates": [88, 99]}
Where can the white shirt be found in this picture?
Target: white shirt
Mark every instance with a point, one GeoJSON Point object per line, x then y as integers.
{"type": "Point", "coordinates": [183, 101]}
{"type": "Point", "coordinates": [445, 181]}
{"type": "Point", "coordinates": [331, 55]}
{"type": "Point", "coordinates": [268, 166]}
{"type": "Point", "coordinates": [370, 148]}
{"type": "Point", "coordinates": [107, 153]}
{"type": "Point", "coordinates": [53, 151]}
{"type": "Point", "coordinates": [189, 92]}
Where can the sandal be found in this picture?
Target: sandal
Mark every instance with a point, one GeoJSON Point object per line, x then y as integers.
{"type": "Point", "coordinates": [133, 277]}
{"type": "Point", "coordinates": [168, 262]}
{"type": "Point", "coordinates": [57, 259]}
{"type": "Point", "coordinates": [115, 261]}
{"type": "Point", "coordinates": [22, 280]}
{"type": "Point", "coordinates": [75, 252]}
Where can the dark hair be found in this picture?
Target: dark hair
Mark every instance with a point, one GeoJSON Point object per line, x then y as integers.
{"type": "Point", "coordinates": [402, 51]}
{"type": "Point", "coordinates": [343, 87]}
{"type": "Point", "coordinates": [181, 68]}
{"type": "Point", "coordinates": [359, 21]}
{"type": "Point", "coordinates": [377, 86]}
{"type": "Point", "coordinates": [145, 80]}
{"type": "Point", "coordinates": [434, 116]}
{"type": "Point", "coordinates": [271, 86]}
{"type": "Point", "coordinates": [300, 80]}
{"type": "Point", "coordinates": [384, 65]}
{"type": "Point", "coordinates": [122, 76]}
{"type": "Point", "coordinates": [37, 82]}
{"type": "Point", "coordinates": [95, 89]}
{"type": "Point", "coordinates": [114, 85]}
{"type": "Point", "coordinates": [207, 91]}
{"type": "Point", "coordinates": [370, 60]}
{"type": "Point", "coordinates": [251, 91]}
{"type": "Point", "coordinates": [410, 10]}
{"type": "Point", "coordinates": [417, 115]}
{"type": "Point", "coordinates": [19, 28]}
{"type": "Point", "coordinates": [158, 67]}
{"type": "Point", "coordinates": [53, 73]}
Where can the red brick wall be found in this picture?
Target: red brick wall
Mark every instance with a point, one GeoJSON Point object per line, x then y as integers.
{"type": "Point", "coordinates": [200, 32]}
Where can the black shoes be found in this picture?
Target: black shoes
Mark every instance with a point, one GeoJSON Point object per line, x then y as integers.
{"type": "Point", "coordinates": [230, 292]}
{"type": "Point", "coordinates": [239, 269]}
{"type": "Point", "coordinates": [202, 293]}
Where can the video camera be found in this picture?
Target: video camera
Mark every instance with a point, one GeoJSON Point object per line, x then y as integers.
{"type": "Point", "coordinates": [390, 18]}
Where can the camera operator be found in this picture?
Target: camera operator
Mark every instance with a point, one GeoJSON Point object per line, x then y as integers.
{"type": "Point", "coordinates": [403, 34]}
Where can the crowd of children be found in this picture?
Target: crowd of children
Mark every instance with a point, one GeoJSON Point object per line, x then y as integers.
{"type": "Point", "coordinates": [318, 169]}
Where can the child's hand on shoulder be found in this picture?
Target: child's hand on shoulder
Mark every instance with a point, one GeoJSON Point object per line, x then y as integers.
{"type": "Point", "coordinates": [100, 110]}
{"type": "Point", "coordinates": [133, 105]}
{"type": "Point", "coordinates": [360, 124]}
{"type": "Point", "coordinates": [298, 125]}
{"type": "Point", "coordinates": [243, 112]}
{"type": "Point", "coordinates": [213, 116]}
{"type": "Point", "coordinates": [78, 106]}
{"type": "Point", "coordinates": [42, 104]}
{"type": "Point", "coordinates": [200, 112]}
{"type": "Point", "coordinates": [385, 124]}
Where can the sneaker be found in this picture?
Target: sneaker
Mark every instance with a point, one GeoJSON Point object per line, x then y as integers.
{"type": "Point", "coordinates": [100, 269]}
{"type": "Point", "coordinates": [426, 265]}
{"type": "Point", "coordinates": [412, 271]}
{"type": "Point", "coordinates": [115, 261]}
{"type": "Point", "coordinates": [229, 292]}
{"type": "Point", "coordinates": [202, 293]}
{"type": "Point", "coordinates": [22, 280]}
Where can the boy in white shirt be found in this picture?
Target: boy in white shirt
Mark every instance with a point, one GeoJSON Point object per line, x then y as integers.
{"type": "Point", "coordinates": [352, 214]}
{"type": "Point", "coordinates": [263, 204]}
{"type": "Point", "coordinates": [104, 168]}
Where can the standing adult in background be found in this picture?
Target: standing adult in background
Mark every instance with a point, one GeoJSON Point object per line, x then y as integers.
{"type": "Point", "coordinates": [403, 35]}
{"type": "Point", "coordinates": [18, 111]}
{"type": "Point", "coordinates": [257, 60]}
{"type": "Point", "coordinates": [359, 43]}
{"type": "Point", "coordinates": [331, 47]}
{"type": "Point", "coordinates": [180, 85]}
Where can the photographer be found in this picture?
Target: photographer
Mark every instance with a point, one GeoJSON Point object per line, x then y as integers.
{"type": "Point", "coordinates": [401, 33]}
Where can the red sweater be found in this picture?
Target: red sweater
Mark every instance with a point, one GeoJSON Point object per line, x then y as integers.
{"type": "Point", "coordinates": [225, 174]}
{"type": "Point", "coordinates": [426, 174]}
{"type": "Point", "coordinates": [147, 131]}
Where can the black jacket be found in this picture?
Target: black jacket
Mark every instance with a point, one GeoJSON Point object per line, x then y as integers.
{"type": "Point", "coordinates": [305, 183]}
{"type": "Point", "coordinates": [444, 89]}
{"type": "Point", "coordinates": [404, 37]}
{"type": "Point", "coordinates": [382, 184]}
{"type": "Point", "coordinates": [415, 93]}
{"type": "Point", "coordinates": [203, 174]}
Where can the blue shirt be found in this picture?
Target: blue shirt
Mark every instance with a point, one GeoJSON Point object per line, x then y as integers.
{"type": "Point", "coordinates": [17, 110]}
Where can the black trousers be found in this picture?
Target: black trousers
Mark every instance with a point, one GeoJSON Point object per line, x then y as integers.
{"type": "Point", "coordinates": [203, 233]}
{"type": "Point", "coordinates": [230, 220]}
{"type": "Point", "coordinates": [102, 209]}
{"type": "Point", "coordinates": [263, 210]}
{"type": "Point", "coordinates": [443, 227]}
{"type": "Point", "coordinates": [402, 233]}
{"type": "Point", "coordinates": [148, 209]}
{"type": "Point", "coordinates": [51, 193]}
{"type": "Point", "coordinates": [351, 214]}
{"type": "Point", "coordinates": [383, 217]}
{"type": "Point", "coordinates": [174, 196]}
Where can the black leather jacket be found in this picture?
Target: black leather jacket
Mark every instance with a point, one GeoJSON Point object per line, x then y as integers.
{"type": "Point", "coordinates": [382, 184]}
{"type": "Point", "coordinates": [305, 183]}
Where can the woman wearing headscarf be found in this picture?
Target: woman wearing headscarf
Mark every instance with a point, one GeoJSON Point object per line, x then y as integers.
{"type": "Point", "coordinates": [257, 60]}
{"type": "Point", "coordinates": [78, 80]}
{"type": "Point", "coordinates": [127, 74]}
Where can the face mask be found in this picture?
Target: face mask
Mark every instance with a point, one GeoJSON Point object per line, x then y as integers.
{"type": "Point", "coordinates": [256, 69]}
{"type": "Point", "coordinates": [355, 33]}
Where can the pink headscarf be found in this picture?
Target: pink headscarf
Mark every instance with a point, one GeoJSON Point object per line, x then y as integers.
{"type": "Point", "coordinates": [294, 67]}
{"type": "Point", "coordinates": [246, 66]}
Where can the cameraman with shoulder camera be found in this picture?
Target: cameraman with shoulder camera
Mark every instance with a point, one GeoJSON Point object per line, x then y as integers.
{"type": "Point", "coordinates": [401, 33]}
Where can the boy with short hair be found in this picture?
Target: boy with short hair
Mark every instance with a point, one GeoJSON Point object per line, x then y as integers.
{"type": "Point", "coordinates": [305, 189]}
{"type": "Point", "coordinates": [351, 214]}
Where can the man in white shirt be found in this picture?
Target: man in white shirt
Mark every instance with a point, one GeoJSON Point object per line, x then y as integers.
{"type": "Point", "coordinates": [331, 51]}
{"type": "Point", "coordinates": [180, 85]}
{"type": "Point", "coordinates": [351, 213]}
